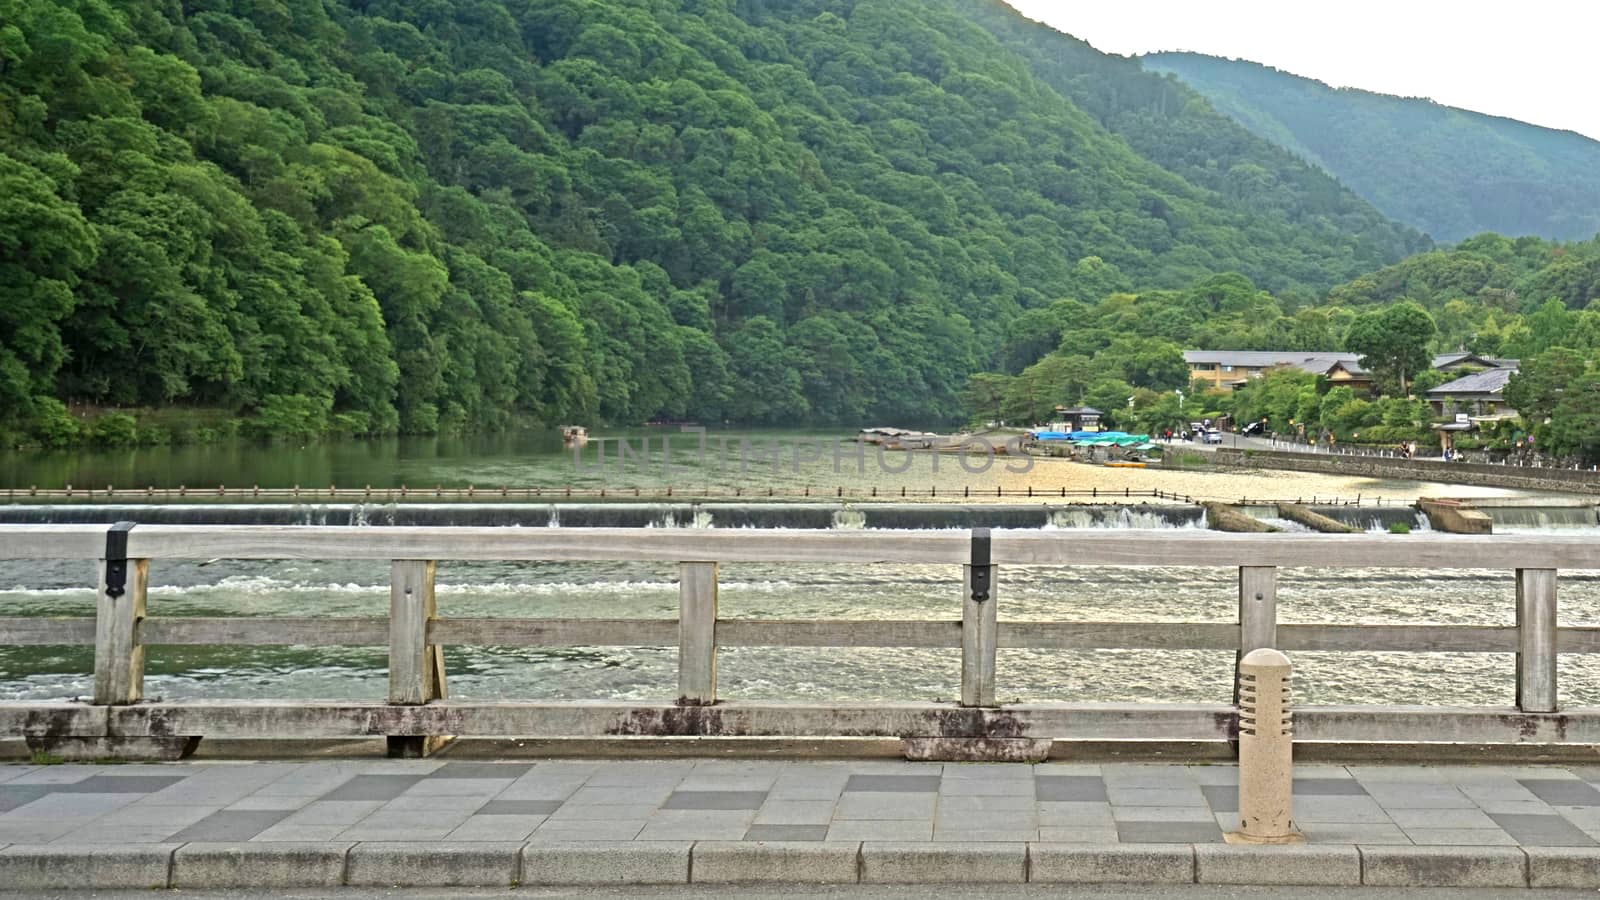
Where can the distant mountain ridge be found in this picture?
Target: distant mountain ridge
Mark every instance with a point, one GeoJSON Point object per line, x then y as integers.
{"type": "Point", "coordinates": [1451, 172]}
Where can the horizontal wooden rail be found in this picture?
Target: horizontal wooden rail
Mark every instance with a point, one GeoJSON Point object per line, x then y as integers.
{"type": "Point", "coordinates": [519, 632]}
{"type": "Point", "coordinates": [1089, 547]}
{"type": "Point", "coordinates": [418, 713]}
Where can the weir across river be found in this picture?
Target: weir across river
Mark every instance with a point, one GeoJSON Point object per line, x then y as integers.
{"type": "Point", "coordinates": [417, 711]}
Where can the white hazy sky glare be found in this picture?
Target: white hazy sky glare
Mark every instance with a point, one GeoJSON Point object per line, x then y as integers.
{"type": "Point", "coordinates": [1534, 60]}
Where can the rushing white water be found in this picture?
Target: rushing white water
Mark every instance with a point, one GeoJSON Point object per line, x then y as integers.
{"type": "Point", "coordinates": [638, 590]}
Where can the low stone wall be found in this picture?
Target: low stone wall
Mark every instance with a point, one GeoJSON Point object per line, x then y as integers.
{"type": "Point", "coordinates": [1524, 478]}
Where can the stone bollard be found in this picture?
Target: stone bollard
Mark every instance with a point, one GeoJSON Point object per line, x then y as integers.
{"type": "Point", "coordinates": [1266, 751]}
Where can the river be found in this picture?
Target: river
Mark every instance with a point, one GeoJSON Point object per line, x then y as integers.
{"type": "Point", "coordinates": [618, 590]}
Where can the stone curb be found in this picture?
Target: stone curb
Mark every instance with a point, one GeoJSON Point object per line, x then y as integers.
{"type": "Point", "coordinates": [940, 863]}
{"type": "Point", "coordinates": [42, 867]}
{"type": "Point", "coordinates": [422, 864]}
{"type": "Point", "coordinates": [1111, 863]}
{"type": "Point", "coordinates": [314, 864]}
{"type": "Point", "coordinates": [607, 862]}
{"type": "Point", "coordinates": [1302, 864]}
{"type": "Point", "coordinates": [1399, 865]}
{"type": "Point", "coordinates": [262, 864]}
{"type": "Point", "coordinates": [789, 862]}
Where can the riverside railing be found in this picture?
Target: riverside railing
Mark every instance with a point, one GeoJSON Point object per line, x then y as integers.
{"type": "Point", "coordinates": [417, 710]}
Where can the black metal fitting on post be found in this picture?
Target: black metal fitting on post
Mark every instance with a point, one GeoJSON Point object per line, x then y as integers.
{"type": "Point", "coordinates": [117, 559]}
{"type": "Point", "coordinates": [982, 569]}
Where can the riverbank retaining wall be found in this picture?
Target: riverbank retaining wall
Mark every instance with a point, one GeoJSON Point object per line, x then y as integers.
{"type": "Point", "coordinates": [1518, 477]}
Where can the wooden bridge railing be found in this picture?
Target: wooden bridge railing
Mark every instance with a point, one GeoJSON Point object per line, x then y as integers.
{"type": "Point", "coordinates": [417, 709]}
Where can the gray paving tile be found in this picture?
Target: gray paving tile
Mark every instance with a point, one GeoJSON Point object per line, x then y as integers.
{"type": "Point", "coordinates": [1543, 831]}
{"type": "Point", "coordinates": [885, 806]}
{"type": "Point", "coordinates": [1440, 818]}
{"type": "Point", "coordinates": [519, 808]}
{"type": "Point", "coordinates": [55, 775]}
{"type": "Point", "coordinates": [786, 833]}
{"type": "Point", "coordinates": [1078, 835]}
{"type": "Point", "coordinates": [1131, 796]}
{"type": "Point", "coordinates": [893, 783]}
{"type": "Point", "coordinates": [1146, 773]}
{"type": "Point", "coordinates": [15, 795]}
{"type": "Point", "coordinates": [496, 828]}
{"type": "Point", "coordinates": [1163, 813]}
{"type": "Point", "coordinates": [1342, 810]}
{"type": "Point", "coordinates": [984, 821]}
{"type": "Point", "coordinates": [1070, 788]}
{"type": "Point", "coordinates": [372, 787]}
{"type": "Point", "coordinates": [1561, 792]}
{"type": "Point", "coordinates": [1461, 837]}
{"type": "Point", "coordinates": [286, 832]}
{"type": "Point", "coordinates": [1329, 787]}
{"type": "Point", "coordinates": [1075, 815]}
{"type": "Point", "coordinates": [480, 770]}
{"type": "Point", "coordinates": [1348, 833]}
{"type": "Point", "coordinates": [1214, 775]}
{"type": "Point", "coordinates": [571, 812]}
{"type": "Point", "coordinates": [1169, 833]}
{"type": "Point", "coordinates": [52, 806]}
{"type": "Point", "coordinates": [333, 812]}
{"type": "Point", "coordinates": [654, 794]}
{"type": "Point", "coordinates": [559, 832]}
{"type": "Point", "coordinates": [257, 801]}
{"type": "Point", "coordinates": [795, 812]}
{"type": "Point", "coordinates": [981, 803]}
{"type": "Point", "coordinates": [1221, 797]}
{"type": "Point", "coordinates": [232, 825]}
{"type": "Point", "coordinates": [1418, 795]}
{"type": "Point", "coordinates": [482, 788]}
{"type": "Point", "coordinates": [119, 784]}
{"type": "Point", "coordinates": [1517, 807]}
{"type": "Point", "coordinates": [880, 830]}
{"type": "Point", "coordinates": [681, 799]}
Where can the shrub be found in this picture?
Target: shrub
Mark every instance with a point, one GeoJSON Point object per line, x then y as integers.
{"type": "Point", "coordinates": [291, 416]}
{"type": "Point", "coordinates": [114, 430]}
{"type": "Point", "coordinates": [1399, 528]}
{"type": "Point", "coordinates": [53, 424]}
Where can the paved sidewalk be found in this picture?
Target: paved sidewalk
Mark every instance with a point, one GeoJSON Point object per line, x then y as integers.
{"type": "Point", "coordinates": [374, 821]}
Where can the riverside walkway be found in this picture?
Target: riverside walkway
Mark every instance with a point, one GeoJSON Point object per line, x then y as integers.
{"type": "Point", "coordinates": [438, 822]}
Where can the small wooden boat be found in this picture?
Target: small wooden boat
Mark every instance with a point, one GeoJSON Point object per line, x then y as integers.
{"type": "Point", "coordinates": [1125, 464]}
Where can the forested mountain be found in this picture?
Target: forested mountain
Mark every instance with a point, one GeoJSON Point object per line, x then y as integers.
{"type": "Point", "coordinates": [1450, 172]}
{"type": "Point", "coordinates": [380, 215]}
{"type": "Point", "coordinates": [1167, 122]}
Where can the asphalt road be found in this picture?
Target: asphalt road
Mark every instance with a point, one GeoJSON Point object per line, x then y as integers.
{"type": "Point", "coordinates": [840, 892]}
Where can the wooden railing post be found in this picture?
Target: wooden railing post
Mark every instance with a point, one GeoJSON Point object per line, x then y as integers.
{"type": "Point", "coordinates": [1536, 640]}
{"type": "Point", "coordinates": [416, 667]}
{"type": "Point", "coordinates": [980, 628]}
{"type": "Point", "coordinates": [697, 633]}
{"type": "Point", "coordinates": [118, 655]}
{"type": "Point", "coordinates": [1258, 614]}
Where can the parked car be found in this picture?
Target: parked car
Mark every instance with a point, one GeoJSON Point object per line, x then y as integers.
{"type": "Point", "coordinates": [1212, 436]}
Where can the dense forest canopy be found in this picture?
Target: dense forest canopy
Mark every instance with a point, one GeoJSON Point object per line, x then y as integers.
{"type": "Point", "coordinates": [1527, 299]}
{"type": "Point", "coordinates": [361, 216]}
{"type": "Point", "coordinates": [1450, 172]}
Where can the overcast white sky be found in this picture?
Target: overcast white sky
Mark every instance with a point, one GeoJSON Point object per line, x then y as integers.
{"type": "Point", "coordinates": [1535, 60]}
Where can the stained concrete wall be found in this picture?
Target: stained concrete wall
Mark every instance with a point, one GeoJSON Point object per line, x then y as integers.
{"type": "Point", "coordinates": [1533, 479]}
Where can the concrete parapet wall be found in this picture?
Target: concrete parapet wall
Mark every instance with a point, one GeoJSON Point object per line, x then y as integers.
{"type": "Point", "coordinates": [1525, 478]}
{"type": "Point", "coordinates": [1452, 517]}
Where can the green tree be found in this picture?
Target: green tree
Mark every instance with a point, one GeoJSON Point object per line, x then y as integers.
{"type": "Point", "coordinates": [1393, 343]}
